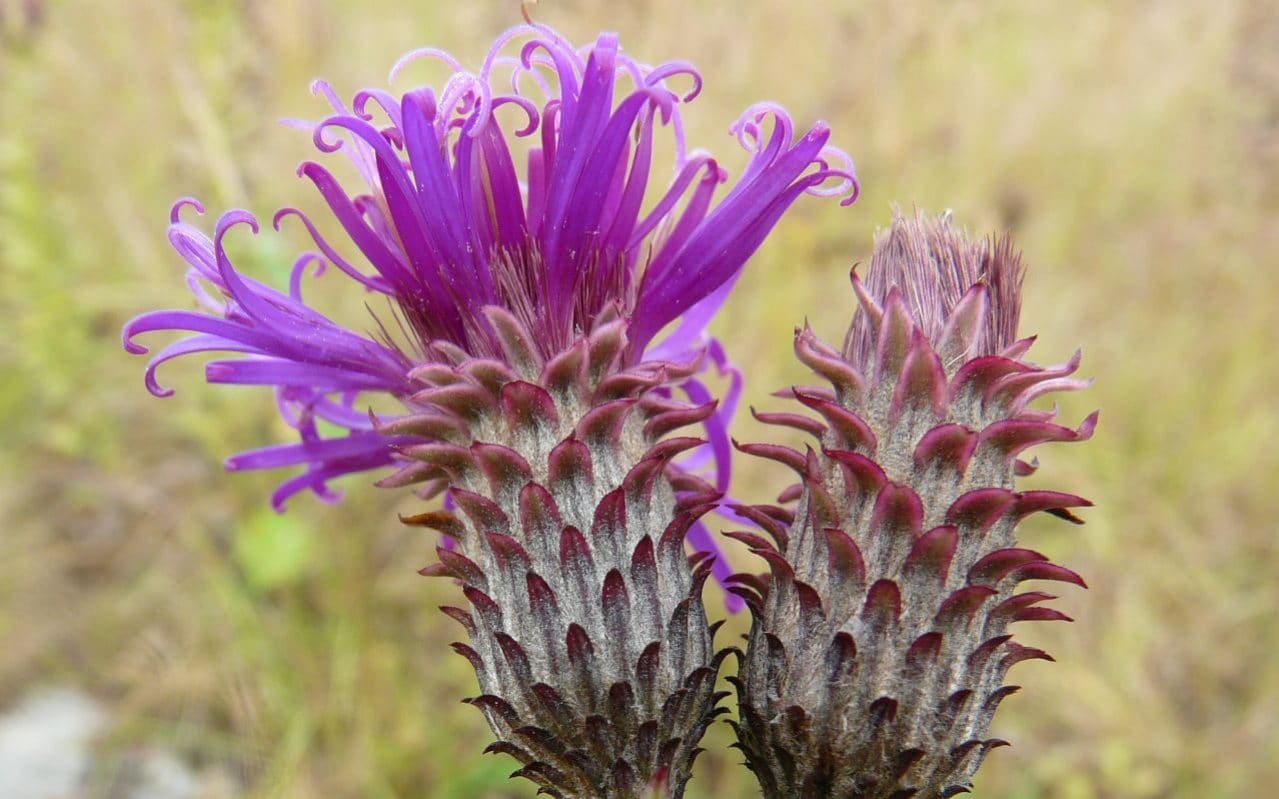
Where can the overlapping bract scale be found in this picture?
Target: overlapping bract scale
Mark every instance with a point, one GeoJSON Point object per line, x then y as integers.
{"type": "Point", "coordinates": [586, 626]}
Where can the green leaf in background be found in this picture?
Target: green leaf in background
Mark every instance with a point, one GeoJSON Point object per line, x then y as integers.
{"type": "Point", "coordinates": [483, 778]}
{"type": "Point", "coordinates": [273, 549]}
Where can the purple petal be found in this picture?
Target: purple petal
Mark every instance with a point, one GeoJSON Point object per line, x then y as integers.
{"type": "Point", "coordinates": [356, 445]}
{"type": "Point", "coordinates": [699, 537]}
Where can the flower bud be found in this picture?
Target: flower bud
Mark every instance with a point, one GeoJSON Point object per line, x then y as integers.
{"type": "Point", "coordinates": [880, 640]}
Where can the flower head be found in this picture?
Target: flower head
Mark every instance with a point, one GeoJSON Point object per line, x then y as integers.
{"type": "Point", "coordinates": [450, 223]}
{"type": "Point", "coordinates": [526, 344]}
{"type": "Point", "coordinates": [880, 640]}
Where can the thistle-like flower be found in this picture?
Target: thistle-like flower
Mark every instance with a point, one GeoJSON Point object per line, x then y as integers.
{"type": "Point", "coordinates": [880, 642]}
{"type": "Point", "coordinates": [522, 342]}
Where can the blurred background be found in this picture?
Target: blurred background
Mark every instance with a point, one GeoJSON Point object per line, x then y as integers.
{"type": "Point", "coordinates": [211, 648]}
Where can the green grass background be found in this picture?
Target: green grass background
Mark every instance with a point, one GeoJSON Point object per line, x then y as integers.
{"type": "Point", "coordinates": [1132, 147]}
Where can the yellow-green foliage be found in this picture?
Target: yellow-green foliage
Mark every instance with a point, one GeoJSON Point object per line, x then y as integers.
{"type": "Point", "coordinates": [1132, 147]}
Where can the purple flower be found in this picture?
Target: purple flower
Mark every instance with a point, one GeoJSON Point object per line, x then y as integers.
{"type": "Point", "coordinates": [525, 343]}
{"type": "Point", "coordinates": [449, 225]}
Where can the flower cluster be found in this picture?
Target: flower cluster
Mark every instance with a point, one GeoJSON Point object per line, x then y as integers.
{"type": "Point", "coordinates": [539, 358]}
